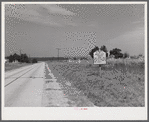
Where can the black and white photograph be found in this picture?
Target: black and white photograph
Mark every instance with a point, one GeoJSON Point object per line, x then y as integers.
{"type": "Point", "coordinates": [74, 59]}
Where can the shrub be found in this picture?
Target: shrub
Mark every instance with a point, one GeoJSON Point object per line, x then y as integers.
{"type": "Point", "coordinates": [34, 60]}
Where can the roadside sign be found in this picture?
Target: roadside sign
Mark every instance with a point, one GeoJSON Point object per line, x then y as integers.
{"type": "Point", "coordinates": [99, 57]}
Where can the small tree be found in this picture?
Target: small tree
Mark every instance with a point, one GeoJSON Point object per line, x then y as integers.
{"type": "Point", "coordinates": [140, 55]}
{"type": "Point", "coordinates": [34, 60]}
{"type": "Point", "coordinates": [104, 48]}
{"type": "Point", "coordinates": [116, 52]}
{"type": "Point", "coordinates": [125, 55]}
{"type": "Point", "coordinates": [10, 58]}
{"type": "Point", "coordinates": [24, 58]}
{"type": "Point", "coordinates": [74, 58]}
{"type": "Point", "coordinates": [16, 57]}
{"type": "Point", "coordinates": [91, 53]}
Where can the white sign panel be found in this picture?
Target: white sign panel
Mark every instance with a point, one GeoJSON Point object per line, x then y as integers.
{"type": "Point", "coordinates": [99, 57]}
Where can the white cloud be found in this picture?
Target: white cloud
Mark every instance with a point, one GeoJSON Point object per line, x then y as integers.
{"type": "Point", "coordinates": [135, 33]}
{"type": "Point", "coordinates": [40, 13]}
{"type": "Point", "coordinates": [57, 10]}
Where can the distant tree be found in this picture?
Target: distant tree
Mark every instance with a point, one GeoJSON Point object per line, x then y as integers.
{"type": "Point", "coordinates": [74, 58]}
{"type": "Point", "coordinates": [20, 58]}
{"type": "Point", "coordinates": [125, 55]}
{"type": "Point", "coordinates": [91, 53]}
{"type": "Point", "coordinates": [24, 58]}
{"type": "Point", "coordinates": [10, 58]}
{"type": "Point", "coordinates": [34, 60]}
{"type": "Point", "coordinates": [116, 52]}
{"type": "Point", "coordinates": [140, 55]}
{"type": "Point", "coordinates": [7, 57]}
{"type": "Point", "coordinates": [120, 55]}
{"type": "Point", "coordinates": [16, 57]}
{"type": "Point", "coordinates": [104, 48]}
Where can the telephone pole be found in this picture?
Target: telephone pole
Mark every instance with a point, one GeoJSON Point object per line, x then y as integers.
{"type": "Point", "coordinates": [20, 55]}
{"type": "Point", "coordinates": [58, 52]}
{"type": "Point", "coordinates": [20, 52]}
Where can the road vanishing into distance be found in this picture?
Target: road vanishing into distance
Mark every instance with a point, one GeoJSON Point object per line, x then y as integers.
{"type": "Point", "coordinates": [37, 86]}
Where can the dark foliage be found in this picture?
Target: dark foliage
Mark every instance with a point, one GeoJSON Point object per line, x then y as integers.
{"type": "Point", "coordinates": [104, 48]}
{"type": "Point", "coordinates": [10, 58]}
{"type": "Point", "coordinates": [15, 57]}
{"type": "Point", "coordinates": [116, 52]}
{"type": "Point", "coordinates": [24, 58]}
{"type": "Point", "coordinates": [34, 60]}
{"type": "Point", "coordinates": [91, 53]}
{"type": "Point", "coordinates": [125, 55]}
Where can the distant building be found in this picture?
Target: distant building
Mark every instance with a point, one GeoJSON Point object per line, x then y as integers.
{"type": "Point", "coordinates": [6, 60]}
{"type": "Point", "coordinates": [141, 58]}
{"type": "Point", "coordinates": [15, 61]}
{"type": "Point", "coordinates": [108, 54]}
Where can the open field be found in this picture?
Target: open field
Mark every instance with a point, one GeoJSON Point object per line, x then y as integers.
{"type": "Point", "coordinates": [11, 66]}
{"type": "Point", "coordinates": [120, 83]}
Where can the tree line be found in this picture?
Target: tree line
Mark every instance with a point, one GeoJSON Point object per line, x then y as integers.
{"type": "Point", "coordinates": [23, 58]}
{"type": "Point", "coordinates": [116, 53]}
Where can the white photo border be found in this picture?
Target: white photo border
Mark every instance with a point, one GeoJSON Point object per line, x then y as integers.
{"type": "Point", "coordinates": [69, 113]}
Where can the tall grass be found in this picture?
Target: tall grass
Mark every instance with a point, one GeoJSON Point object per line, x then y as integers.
{"type": "Point", "coordinates": [119, 83]}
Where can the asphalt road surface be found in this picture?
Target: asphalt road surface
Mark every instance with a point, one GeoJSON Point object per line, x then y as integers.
{"type": "Point", "coordinates": [38, 86]}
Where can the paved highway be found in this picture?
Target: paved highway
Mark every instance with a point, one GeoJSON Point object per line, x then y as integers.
{"type": "Point", "coordinates": [37, 86]}
{"type": "Point", "coordinates": [24, 86]}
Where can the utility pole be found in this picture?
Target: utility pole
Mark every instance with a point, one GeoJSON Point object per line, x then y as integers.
{"type": "Point", "coordinates": [20, 55]}
{"type": "Point", "coordinates": [20, 51]}
{"type": "Point", "coordinates": [58, 52]}
{"type": "Point", "coordinates": [29, 57]}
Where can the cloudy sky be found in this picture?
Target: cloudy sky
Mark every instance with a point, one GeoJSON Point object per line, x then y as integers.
{"type": "Point", "coordinates": [38, 29]}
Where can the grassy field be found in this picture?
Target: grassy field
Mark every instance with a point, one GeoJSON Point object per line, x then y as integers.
{"type": "Point", "coordinates": [11, 66]}
{"type": "Point", "coordinates": [120, 83]}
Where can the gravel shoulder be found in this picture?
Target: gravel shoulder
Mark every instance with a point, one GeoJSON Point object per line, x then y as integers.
{"type": "Point", "coordinates": [59, 92]}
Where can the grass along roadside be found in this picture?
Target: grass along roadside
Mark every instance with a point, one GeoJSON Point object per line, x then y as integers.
{"type": "Point", "coordinates": [116, 85]}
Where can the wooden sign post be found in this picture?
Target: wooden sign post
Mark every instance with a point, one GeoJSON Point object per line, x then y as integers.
{"type": "Point", "coordinates": [99, 58]}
